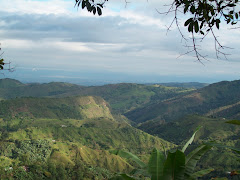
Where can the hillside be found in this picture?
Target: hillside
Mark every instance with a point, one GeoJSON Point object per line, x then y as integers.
{"type": "Point", "coordinates": [177, 131]}
{"type": "Point", "coordinates": [194, 85]}
{"type": "Point", "coordinates": [67, 135]}
{"type": "Point", "coordinates": [201, 101]}
{"type": "Point", "coordinates": [122, 97]}
{"type": "Point", "coordinates": [69, 107]}
{"type": "Point", "coordinates": [10, 83]}
{"type": "Point", "coordinates": [213, 129]}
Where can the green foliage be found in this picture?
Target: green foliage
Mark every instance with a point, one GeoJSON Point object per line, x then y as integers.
{"type": "Point", "coordinates": [236, 122]}
{"type": "Point", "coordinates": [208, 14]}
{"type": "Point", "coordinates": [222, 160]}
{"type": "Point", "coordinates": [176, 165]}
{"type": "Point", "coordinates": [91, 6]}
{"type": "Point", "coordinates": [32, 151]}
{"type": "Point", "coordinates": [129, 155]}
{"type": "Point", "coordinates": [155, 165]}
{"type": "Point", "coordinates": [190, 140]}
{"type": "Point", "coordinates": [204, 15]}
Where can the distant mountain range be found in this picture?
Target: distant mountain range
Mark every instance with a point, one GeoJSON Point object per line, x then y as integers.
{"type": "Point", "coordinates": [122, 97]}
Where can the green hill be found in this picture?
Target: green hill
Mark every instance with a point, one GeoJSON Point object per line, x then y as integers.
{"type": "Point", "coordinates": [201, 101]}
{"type": "Point", "coordinates": [69, 107]}
{"type": "Point", "coordinates": [122, 97]}
{"type": "Point", "coordinates": [177, 131]}
{"type": "Point", "coordinates": [57, 137]}
{"type": "Point", "coordinates": [195, 85]}
{"type": "Point", "coordinates": [10, 83]}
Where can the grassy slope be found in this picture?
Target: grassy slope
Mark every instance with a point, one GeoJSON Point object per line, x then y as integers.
{"type": "Point", "coordinates": [89, 136]}
{"type": "Point", "coordinates": [70, 107]}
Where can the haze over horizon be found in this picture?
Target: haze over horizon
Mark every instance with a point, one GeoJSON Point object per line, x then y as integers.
{"type": "Point", "coordinates": [53, 41]}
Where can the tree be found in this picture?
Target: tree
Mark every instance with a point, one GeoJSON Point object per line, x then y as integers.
{"type": "Point", "coordinates": [205, 15]}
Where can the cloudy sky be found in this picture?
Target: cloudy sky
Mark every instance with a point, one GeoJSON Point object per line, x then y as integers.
{"type": "Point", "coordinates": [51, 40]}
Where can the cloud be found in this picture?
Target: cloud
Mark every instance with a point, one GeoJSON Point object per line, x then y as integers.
{"type": "Point", "coordinates": [52, 34]}
{"type": "Point", "coordinates": [36, 7]}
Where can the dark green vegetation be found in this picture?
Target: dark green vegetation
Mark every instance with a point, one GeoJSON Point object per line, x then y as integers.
{"type": "Point", "coordinates": [218, 98]}
{"type": "Point", "coordinates": [194, 85]}
{"type": "Point", "coordinates": [64, 130]}
{"type": "Point", "coordinates": [122, 97]}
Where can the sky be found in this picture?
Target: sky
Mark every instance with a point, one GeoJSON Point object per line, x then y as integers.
{"type": "Point", "coordinates": [51, 40]}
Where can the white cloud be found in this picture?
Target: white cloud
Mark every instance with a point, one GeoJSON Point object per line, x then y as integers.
{"type": "Point", "coordinates": [36, 7]}
{"type": "Point", "coordinates": [53, 34]}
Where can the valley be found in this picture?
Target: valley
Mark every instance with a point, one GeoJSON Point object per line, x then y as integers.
{"type": "Point", "coordinates": [66, 131]}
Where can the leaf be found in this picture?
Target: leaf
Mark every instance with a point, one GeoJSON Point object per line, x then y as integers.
{"type": "Point", "coordinates": [83, 4]}
{"type": "Point", "coordinates": [237, 150]}
{"type": "Point", "coordinates": [192, 9]}
{"type": "Point", "coordinates": [193, 157]}
{"type": "Point", "coordinates": [174, 166]}
{"type": "Point", "coordinates": [217, 23]}
{"type": "Point", "coordinates": [231, 5]}
{"type": "Point", "coordinates": [129, 155]}
{"type": "Point", "coordinates": [94, 10]}
{"type": "Point", "coordinates": [142, 172]}
{"type": "Point", "coordinates": [99, 11]}
{"type": "Point", "coordinates": [190, 27]}
{"type": "Point", "coordinates": [236, 122]}
{"type": "Point", "coordinates": [202, 23]}
{"type": "Point", "coordinates": [188, 21]}
{"type": "Point", "coordinates": [155, 164]}
{"type": "Point", "coordinates": [236, 15]}
{"type": "Point", "coordinates": [196, 26]}
{"type": "Point", "coordinates": [201, 173]}
{"type": "Point", "coordinates": [122, 177]}
{"type": "Point", "coordinates": [185, 9]}
{"type": "Point", "coordinates": [191, 139]}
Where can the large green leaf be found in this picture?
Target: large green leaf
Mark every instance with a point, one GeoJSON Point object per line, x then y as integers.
{"type": "Point", "coordinates": [129, 155]}
{"type": "Point", "coordinates": [122, 177]}
{"type": "Point", "coordinates": [191, 139]}
{"type": "Point", "coordinates": [155, 164]}
{"type": "Point", "coordinates": [174, 166]}
{"type": "Point", "coordinates": [193, 157]}
{"type": "Point", "coordinates": [236, 122]}
{"type": "Point", "coordinates": [223, 146]}
{"type": "Point", "coordinates": [142, 172]}
{"type": "Point", "coordinates": [201, 173]}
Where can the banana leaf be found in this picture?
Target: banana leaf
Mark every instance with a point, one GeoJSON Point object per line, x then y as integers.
{"type": "Point", "coordinates": [155, 164]}
{"type": "Point", "coordinates": [191, 139]}
{"type": "Point", "coordinates": [193, 157]}
{"type": "Point", "coordinates": [128, 155]}
{"type": "Point", "coordinates": [174, 166]}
